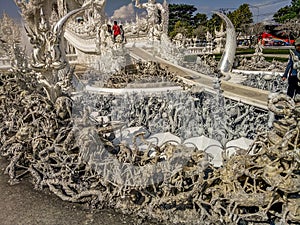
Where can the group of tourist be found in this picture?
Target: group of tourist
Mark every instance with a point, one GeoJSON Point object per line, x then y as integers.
{"type": "Point", "coordinates": [116, 30]}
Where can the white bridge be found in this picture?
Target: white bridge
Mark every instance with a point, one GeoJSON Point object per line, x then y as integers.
{"type": "Point", "coordinates": [82, 42]}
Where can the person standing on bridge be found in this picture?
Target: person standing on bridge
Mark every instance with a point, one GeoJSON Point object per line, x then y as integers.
{"type": "Point", "coordinates": [292, 71]}
{"type": "Point", "coordinates": [116, 30]}
{"type": "Point", "coordinates": [122, 32]}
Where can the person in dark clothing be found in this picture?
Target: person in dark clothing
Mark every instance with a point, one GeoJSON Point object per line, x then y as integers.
{"type": "Point", "coordinates": [116, 30]}
{"type": "Point", "coordinates": [122, 32]}
{"type": "Point", "coordinates": [291, 71]}
{"type": "Point", "coordinates": [109, 29]}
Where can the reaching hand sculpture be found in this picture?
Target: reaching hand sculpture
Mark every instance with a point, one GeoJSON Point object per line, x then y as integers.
{"type": "Point", "coordinates": [156, 17]}
{"type": "Point", "coordinates": [100, 3]}
{"type": "Point", "coordinates": [153, 9]}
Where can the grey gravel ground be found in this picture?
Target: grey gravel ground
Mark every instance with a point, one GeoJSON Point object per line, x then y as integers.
{"type": "Point", "coordinates": [20, 204]}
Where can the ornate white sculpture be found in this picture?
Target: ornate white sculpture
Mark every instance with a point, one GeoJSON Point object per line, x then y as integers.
{"type": "Point", "coordinates": [9, 39]}
{"type": "Point", "coordinates": [219, 39]}
{"type": "Point", "coordinates": [9, 30]}
{"type": "Point", "coordinates": [209, 36]}
{"type": "Point", "coordinates": [153, 9]}
{"type": "Point", "coordinates": [105, 38]}
{"type": "Point", "coordinates": [179, 40]}
{"type": "Point", "coordinates": [258, 56]}
{"type": "Point", "coordinates": [95, 13]}
{"type": "Point", "coordinates": [156, 17]}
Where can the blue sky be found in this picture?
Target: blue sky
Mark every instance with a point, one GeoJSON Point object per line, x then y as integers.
{"type": "Point", "coordinates": [263, 8]}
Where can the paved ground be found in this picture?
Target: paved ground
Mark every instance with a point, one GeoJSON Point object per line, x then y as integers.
{"type": "Point", "coordinates": [20, 204]}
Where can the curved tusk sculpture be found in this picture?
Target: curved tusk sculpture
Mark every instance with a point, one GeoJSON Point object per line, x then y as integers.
{"type": "Point", "coordinates": [58, 31]}
{"type": "Point", "coordinates": [226, 62]}
{"type": "Point", "coordinates": [58, 28]}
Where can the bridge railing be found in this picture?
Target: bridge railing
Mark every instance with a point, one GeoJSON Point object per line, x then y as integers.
{"type": "Point", "coordinates": [5, 63]}
{"type": "Point", "coordinates": [72, 58]}
{"type": "Point", "coordinates": [198, 50]}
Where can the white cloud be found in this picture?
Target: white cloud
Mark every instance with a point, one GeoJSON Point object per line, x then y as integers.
{"type": "Point", "coordinates": [124, 13]}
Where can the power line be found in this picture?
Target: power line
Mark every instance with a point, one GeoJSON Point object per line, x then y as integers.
{"type": "Point", "coordinates": [265, 14]}
{"type": "Point", "coordinates": [270, 3]}
{"type": "Point", "coordinates": [258, 6]}
{"type": "Point", "coordinates": [226, 9]}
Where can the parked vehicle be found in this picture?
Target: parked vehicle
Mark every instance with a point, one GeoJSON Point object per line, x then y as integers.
{"type": "Point", "coordinates": [270, 39]}
{"type": "Point", "coordinates": [280, 43]}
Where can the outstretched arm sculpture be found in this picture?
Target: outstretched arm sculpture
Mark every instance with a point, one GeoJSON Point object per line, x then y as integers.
{"type": "Point", "coordinates": [153, 9]}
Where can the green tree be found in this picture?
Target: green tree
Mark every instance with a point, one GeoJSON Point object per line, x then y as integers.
{"type": "Point", "coordinates": [200, 32]}
{"type": "Point", "coordinates": [198, 24]}
{"type": "Point", "coordinates": [288, 12]}
{"type": "Point", "coordinates": [214, 22]}
{"type": "Point", "coordinates": [183, 13]}
{"type": "Point", "coordinates": [181, 27]}
{"type": "Point", "coordinates": [200, 19]}
{"type": "Point", "coordinates": [199, 29]}
{"type": "Point", "coordinates": [241, 17]}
